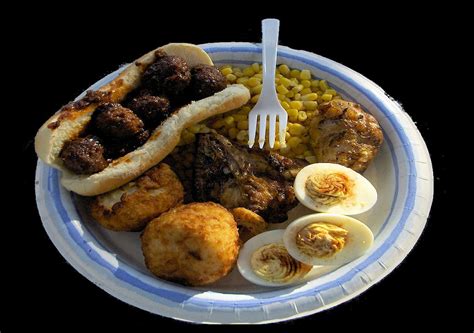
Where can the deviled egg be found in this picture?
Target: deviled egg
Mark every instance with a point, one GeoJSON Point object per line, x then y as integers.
{"type": "Point", "coordinates": [265, 261]}
{"type": "Point", "coordinates": [333, 188]}
{"type": "Point", "coordinates": [327, 239]}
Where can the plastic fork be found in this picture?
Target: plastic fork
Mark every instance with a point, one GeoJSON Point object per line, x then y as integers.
{"type": "Point", "coordinates": [268, 105]}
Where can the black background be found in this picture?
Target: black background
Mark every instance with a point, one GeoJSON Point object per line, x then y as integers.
{"type": "Point", "coordinates": [64, 54]}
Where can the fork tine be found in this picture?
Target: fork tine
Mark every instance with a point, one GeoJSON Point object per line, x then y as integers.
{"type": "Point", "coordinates": [252, 128]}
{"type": "Point", "coordinates": [272, 129]}
{"type": "Point", "coordinates": [282, 119]}
{"type": "Point", "coordinates": [262, 127]}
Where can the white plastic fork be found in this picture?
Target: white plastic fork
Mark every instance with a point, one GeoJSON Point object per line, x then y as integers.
{"type": "Point", "coordinates": [268, 105]}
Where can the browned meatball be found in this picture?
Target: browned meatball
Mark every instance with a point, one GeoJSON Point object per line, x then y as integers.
{"type": "Point", "coordinates": [151, 109]}
{"type": "Point", "coordinates": [168, 75]}
{"type": "Point", "coordinates": [206, 81]}
{"type": "Point", "coordinates": [116, 148]}
{"type": "Point", "coordinates": [113, 120]}
{"type": "Point", "coordinates": [84, 155]}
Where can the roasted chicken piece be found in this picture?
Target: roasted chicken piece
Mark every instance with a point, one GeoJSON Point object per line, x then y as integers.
{"type": "Point", "coordinates": [236, 176]}
{"type": "Point", "coordinates": [345, 134]}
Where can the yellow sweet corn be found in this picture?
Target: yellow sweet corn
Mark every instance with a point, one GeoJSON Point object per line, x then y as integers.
{"type": "Point", "coordinates": [226, 71]}
{"type": "Point", "coordinates": [305, 74]}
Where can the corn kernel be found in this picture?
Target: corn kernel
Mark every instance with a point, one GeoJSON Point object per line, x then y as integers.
{"type": "Point", "coordinates": [300, 156]}
{"type": "Point", "coordinates": [295, 81]}
{"type": "Point", "coordinates": [300, 149]}
{"type": "Point", "coordinates": [307, 153]}
{"type": "Point", "coordinates": [226, 71]}
{"type": "Point", "coordinates": [311, 159]}
{"type": "Point", "coordinates": [204, 129]}
{"type": "Point", "coordinates": [287, 136]}
{"type": "Point", "coordinates": [284, 69]}
{"type": "Point", "coordinates": [226, 66]}
{"type": "Point", "coordinates": [285, 82]}
{"type": "Point", "coordinates": [229, 120]}
{"type": "Point", "coordinates": [305, 139]}
{"type": "Point", "coordinates": [323, 85]}
{"type": "Point", "coordinates": [298, 105]}
{"type": "Point", "coordinates": [293, 142]}
{"type": "Point", "coordinates": [310, 114]}
{"type": "Point", "coordinates": [233, 132]}
{"type": "Point", "coordinates": [305, 74]}
{"type": "Point", "coordinates": [306, 91]}
{"type": "Point", "coordinates": [277, 145]}
{"type": "Point", "coordinates": [302, 116]}
{"type": "Point", "coordinates": [242, 79]}
{"type": "Point", "coordinates": [258, 76]}
{"type": "Point", "coordinates": [315, 84]}
{"type": "Point", "coordinates": [292, 112]}
{"type": "Point", "coordinates": [256, 90]}
{"type": "Point", "coordinates": [231, 77]}
{"type": "Point", "coordinates": [256, 67]}
{"type": "Point", "coordinates": [243, 135]}
{"type": "Point", "coordinates": [331, 92]}
{"type": "Point", "coordinates": [296, 129]}
{"type": "Point", "coordinates": [297, 88]}
{"type": "Point", "coordinates": [297, 96]}
{"type": "Point", "coordinates": [194, 128]}
{"type": "Point", "coordinates": [282, 90]}
{"type": "Point", "coordinates": [238, 72]}
{"type": "Point", "coordinates": [306, 83]}
{"type": "Point", "coordinates": [277, 75]}
{"type": "Point", "coordinates": [309, 97]}
{"type": "Point", "coordinates": [281, 97]}
{"type": "Point", "coordinates": [253, 82]}
{"type": "Point", "coordinates": [248, 71]}
{"type": "Point", "coordinates": [285, 105]}
{"type": "Point", "coordinates": [290, 94]}
{"type": "Point", "coordinates": [218, 124]}
{"type": "Point", "coordinates": [285, 150]}
{"type": "Point", "coordinates": [255, 98]}
{"type": "Point", "coordinates": [295, 73]}
{"type": "Point", "coordinates": [243, 125]}
{"type": "Point", "coordinates": [326, 97]}
{"type": "Point", "coordinates": [246, 109]}
{"type": "Point", "coordinates": [239, 117]}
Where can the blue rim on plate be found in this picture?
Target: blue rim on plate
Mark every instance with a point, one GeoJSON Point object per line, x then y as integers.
{"type": "Point", "coordinates": [410, 208]}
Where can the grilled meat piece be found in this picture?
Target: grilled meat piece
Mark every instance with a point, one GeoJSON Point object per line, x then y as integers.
{"type": "Point", "coordinates": [236, 176]}
{"type": "Point", "coordinates": [346, 135]}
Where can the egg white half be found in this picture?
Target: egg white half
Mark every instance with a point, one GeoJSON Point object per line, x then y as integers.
{"type": "Point", "coordinates": [359, 239]}
{"type": "Point", "coordinates": [265, 238]}
{"type": "Point", "coordinates": [364, 194]}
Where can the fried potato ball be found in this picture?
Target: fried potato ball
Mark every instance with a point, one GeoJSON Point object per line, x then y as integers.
{"type": "Point", "coordinates": [249, 223]}
{"type": "Point", "coordinates": [194, 244]}
{"type": "Point", "coordinates": [132, 206]}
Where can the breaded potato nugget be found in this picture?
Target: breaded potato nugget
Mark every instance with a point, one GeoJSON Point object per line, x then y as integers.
{"type": "Point", "coordinates": [132, 206]}
{"type": "Point", "coordinates": [194, 244]}
{"type": "Point", "coordinates": [249, 223]}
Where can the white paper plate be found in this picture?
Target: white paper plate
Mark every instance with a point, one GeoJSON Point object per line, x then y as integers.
{"type": "Point", "coordinates": [402, 174]}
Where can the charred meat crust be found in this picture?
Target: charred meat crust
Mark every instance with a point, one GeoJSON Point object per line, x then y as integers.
{"type": "Point", "coordinates": [237, 176]}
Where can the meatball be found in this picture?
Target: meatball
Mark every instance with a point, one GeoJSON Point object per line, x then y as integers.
{"type": "Point", "coordinates": [114, 120]}
{"type": "Point", "coordinates": [116, 147]}
{"type": "Point", "coordinates": [84, 155]}
{"type": "Point", "coordinates": [194, 244]}
{"type": "Point", "coordinates": [206, 81]}
{"type": "Point", "coordinates": [169, 75]}
{"type": "Point", "coordinates": [151, 109]}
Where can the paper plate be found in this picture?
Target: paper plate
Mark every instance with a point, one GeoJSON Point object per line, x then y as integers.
{"type": "Point", "coordinates": [402, 174]}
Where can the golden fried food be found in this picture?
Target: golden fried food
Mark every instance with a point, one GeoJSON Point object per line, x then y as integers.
{"type": "Point", "coordinates": [194, 244]}
{"type": "Point", "coordinates": [249, 223]}
{"type": "Point", "coordinates": [132, 206]}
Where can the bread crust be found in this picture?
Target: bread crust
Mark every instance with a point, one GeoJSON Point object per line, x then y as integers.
{"type": "Point", "coordinates": [67, 125]}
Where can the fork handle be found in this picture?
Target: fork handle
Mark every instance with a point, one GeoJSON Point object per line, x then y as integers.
{"type": "Point", "coordinates": [270, 28]}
